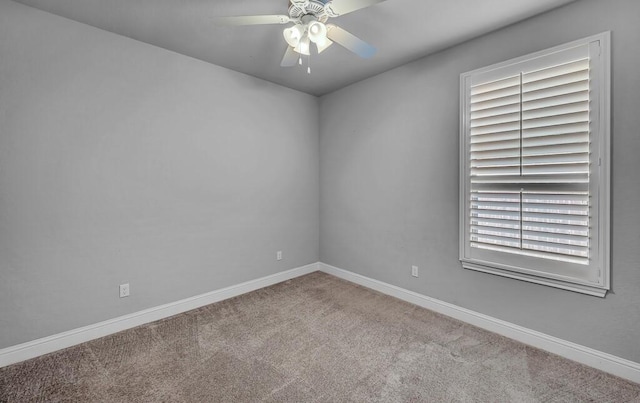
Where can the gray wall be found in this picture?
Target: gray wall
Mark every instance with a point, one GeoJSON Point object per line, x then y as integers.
{"type": "Point", "coordinates": [123, 162]}
{"type": "Point", "coordinates": [390, 174]}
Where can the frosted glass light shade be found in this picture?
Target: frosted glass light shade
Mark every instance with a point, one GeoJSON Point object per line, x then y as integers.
{"type": "Point", "coordinates": [317, 32]}
{"type": "Point", "coordinates": [303, 46]}
{"type": "Point", "coordinates": [293, 35]}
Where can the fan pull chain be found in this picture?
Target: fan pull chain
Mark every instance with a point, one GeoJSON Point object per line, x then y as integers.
{"type": "Point", "coordinates": [309, 64]}
{"type": "Point", "coordinates": [300, 60]}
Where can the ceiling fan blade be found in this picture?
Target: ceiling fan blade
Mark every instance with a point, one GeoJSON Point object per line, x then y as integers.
{"type": "Point", "coordinates": [350, 41]}
{"type": "Point", "coordinates": [342, 7]}
{"type": "Point", "coordinates": [251, 20]}
{"type": "Point", "coordinates": [290, 58]}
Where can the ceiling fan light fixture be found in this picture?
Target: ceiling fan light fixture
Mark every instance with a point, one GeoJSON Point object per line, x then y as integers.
{"type": "Point", "coordinates": [293, 35]}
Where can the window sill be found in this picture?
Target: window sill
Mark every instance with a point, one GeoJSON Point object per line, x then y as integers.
{"type": "Point", "coordinates": [580, 288]}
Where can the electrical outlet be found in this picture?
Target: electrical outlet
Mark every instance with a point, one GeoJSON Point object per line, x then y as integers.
{"type": "Point", "coordinates": [414, 271]}
{"type": "Point", "coordinates": [279, 255]}
{"type": "Point", "coordinates": [124, 290]}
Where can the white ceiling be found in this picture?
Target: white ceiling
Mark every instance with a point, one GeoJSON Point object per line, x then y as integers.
{"type": "Point", "coordinates": [401, 30]}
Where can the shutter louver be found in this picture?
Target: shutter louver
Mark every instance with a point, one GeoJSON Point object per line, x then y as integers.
{"type": "Point", "coordinates": [532, 130]}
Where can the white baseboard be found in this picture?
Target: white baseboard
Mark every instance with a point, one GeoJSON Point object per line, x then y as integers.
{"type": "Point", "coordinates": [603, 361]}
{"type": "Point", "coordinates": [35, 348]}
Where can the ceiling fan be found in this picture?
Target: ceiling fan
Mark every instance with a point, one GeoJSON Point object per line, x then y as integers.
{"type": "Point", "coordinates": [310, 27]}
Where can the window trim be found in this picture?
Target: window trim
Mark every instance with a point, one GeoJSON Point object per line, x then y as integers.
{"type": "Point", "coordinates": [604, 176]}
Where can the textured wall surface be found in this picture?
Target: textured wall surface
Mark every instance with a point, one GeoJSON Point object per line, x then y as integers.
{"type": "Point", "coordinates": [122, 162]}
{"type": "Point", "coordinates": [390, 174]}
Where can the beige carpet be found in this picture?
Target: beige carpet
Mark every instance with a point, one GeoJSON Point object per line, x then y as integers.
{"type": "Point", "coordinates": [312, 339]}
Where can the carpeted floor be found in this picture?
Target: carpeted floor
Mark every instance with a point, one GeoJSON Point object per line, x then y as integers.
{"type": "Point", "coordinates": [312, 339]}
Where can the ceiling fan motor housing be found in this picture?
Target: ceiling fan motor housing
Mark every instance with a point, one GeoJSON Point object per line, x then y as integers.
{"type": "Point", "coordinates": [313, 8]}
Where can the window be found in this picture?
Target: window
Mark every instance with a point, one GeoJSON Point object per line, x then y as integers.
{"type": "Point", "coordinates": [534, 177]}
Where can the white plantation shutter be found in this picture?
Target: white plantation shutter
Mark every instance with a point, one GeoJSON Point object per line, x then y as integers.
{"type": "Point", "coordinates": [532, 194]}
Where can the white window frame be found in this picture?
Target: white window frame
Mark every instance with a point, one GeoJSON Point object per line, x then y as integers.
{"type": "Point", "coordinates": [600, 169]}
